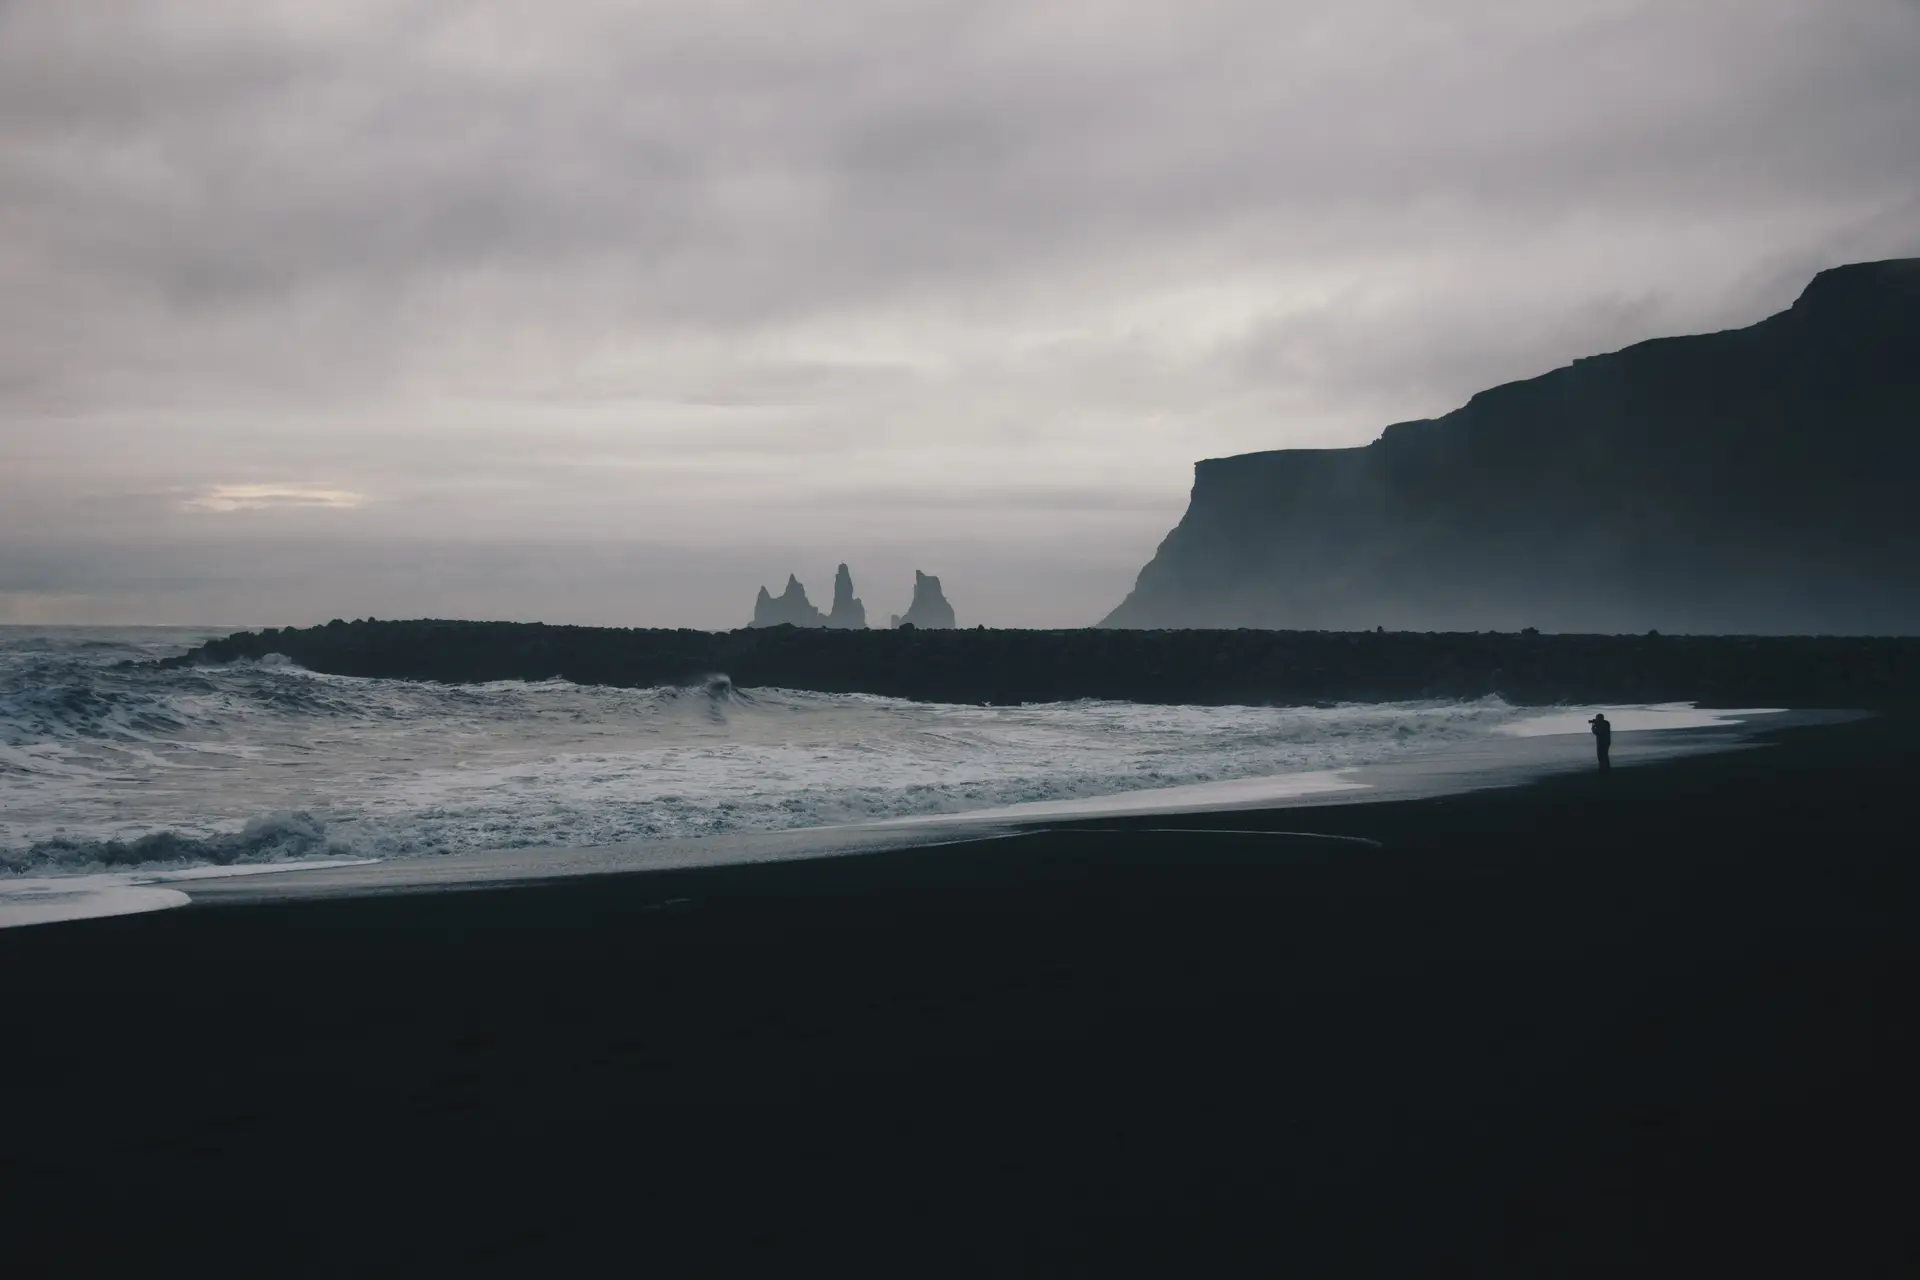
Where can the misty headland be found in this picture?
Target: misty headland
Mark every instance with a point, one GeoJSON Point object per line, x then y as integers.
{"type": "Point", "coordinates": [1757, 480]}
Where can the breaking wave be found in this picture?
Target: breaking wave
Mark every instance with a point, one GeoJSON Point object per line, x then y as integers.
{"type": "Point", "coordinates": [278, 837]}
{"type": "Point", "coordinates": [107, 762]}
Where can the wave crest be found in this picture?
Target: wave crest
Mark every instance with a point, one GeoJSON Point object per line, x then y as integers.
{"type": "Point", "coordinates": [273, 837]}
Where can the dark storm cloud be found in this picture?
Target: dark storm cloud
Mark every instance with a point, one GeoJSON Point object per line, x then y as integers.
{"type": "Point", "coordinates": [642, 270]}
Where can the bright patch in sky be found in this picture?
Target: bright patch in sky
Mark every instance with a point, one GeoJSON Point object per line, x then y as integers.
{"type": "Point", "coordinates": [259, 497]}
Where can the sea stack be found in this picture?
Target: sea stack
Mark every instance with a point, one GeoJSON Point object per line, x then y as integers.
{"type": "Point", "coordinates": [848, 612]}
{"type": "Point", "coordinates": [929, 608]}
{"type": "Point", "coordinates": [789, 607]}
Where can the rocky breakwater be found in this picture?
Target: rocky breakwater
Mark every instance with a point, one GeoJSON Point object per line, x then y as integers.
{"type": "Point", "coordinates": [1217, 667]}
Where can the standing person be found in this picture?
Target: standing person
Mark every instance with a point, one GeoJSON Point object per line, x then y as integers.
{"type": "Point", "coordinates": [1602, 739]}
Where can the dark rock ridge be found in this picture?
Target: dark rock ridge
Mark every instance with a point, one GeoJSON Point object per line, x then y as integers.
{"type": "Point", "coordinates": [1755, 480]}
{"type": "Point", "coordinates": [929, 608]}
{"type": "Point", "coordinates": [791, 607]}
{"type": "Point", "coordinates": [1272, 667]}
{"type": "Point", "coordinates": [848, 612]}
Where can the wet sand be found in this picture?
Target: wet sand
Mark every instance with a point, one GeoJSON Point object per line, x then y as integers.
{"type": "Point", "coordinates": [1660, 1021]}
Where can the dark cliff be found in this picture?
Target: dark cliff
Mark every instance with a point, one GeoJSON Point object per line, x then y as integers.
{"type": "Point", "coordinates": [1755, 480]}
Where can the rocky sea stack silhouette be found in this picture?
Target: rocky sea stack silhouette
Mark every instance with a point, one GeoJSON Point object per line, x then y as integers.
{"type": "Point", "coordinates": [1756, 480]}
{"type": "Point", "coordinates": [790, 606]}
{"type": "Point", "coordinates": [848, 612]}
{"type": "Point", "coordinates": [929, 610]}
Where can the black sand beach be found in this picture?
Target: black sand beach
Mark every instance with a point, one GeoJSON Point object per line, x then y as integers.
{"type": "Point", "coordinates": [1656, 1022]}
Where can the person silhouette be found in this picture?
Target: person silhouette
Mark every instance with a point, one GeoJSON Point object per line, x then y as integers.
{"type": "Point", "coordinates": [1602, 739]}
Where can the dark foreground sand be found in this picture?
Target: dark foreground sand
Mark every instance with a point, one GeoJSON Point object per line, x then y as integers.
{"type": "Point", "coordinates": [1661, 1021]}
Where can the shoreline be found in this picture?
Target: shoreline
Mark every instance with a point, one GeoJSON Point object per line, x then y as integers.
{"type": "Point", "coordinates": [1507, 759]}
{"type": "Point", "coordinates": [1656, 1021]}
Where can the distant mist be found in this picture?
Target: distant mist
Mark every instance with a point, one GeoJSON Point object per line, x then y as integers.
{"type": "Point", "coordinates": [618, 311]}
{"type": "Point", "coordinates": [293, 582]}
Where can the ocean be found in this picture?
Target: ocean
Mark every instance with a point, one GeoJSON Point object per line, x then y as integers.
{"type": "Point", "coordinates": [109, 763]}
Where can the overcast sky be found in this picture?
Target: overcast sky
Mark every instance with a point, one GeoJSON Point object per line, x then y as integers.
{"type": "Point", "coordinates": [610, 312]}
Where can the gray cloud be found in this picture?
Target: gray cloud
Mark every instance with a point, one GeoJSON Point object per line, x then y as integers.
{"type": "Point", "coordinates": [979, 280]}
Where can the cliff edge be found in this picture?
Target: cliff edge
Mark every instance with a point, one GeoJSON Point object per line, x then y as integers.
{"type": "Point", "coordinates": [1754, 480]}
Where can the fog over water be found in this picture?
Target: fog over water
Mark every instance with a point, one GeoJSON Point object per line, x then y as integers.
{"type": "Point", "coordinates": [612, 313]}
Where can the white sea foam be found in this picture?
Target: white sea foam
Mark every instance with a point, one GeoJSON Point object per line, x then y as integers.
{"type": "Point", "coordinates": [26, 900]}
{"type": "Point", "coordinates": [109, 768]}
{"type": "Point", "coordinates": [1631, 719]}
{"type": "Point", "coordinates": [1189, 798]}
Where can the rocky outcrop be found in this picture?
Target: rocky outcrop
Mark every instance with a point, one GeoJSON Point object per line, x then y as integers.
{"type": "Point", "coordinates": [1277, 668]}
{"type": "Point", "coordinates": [790, 606]}
{"type": "Point", "coordinates": [929, 609]}
{"type": "Point", "coordinates": [1756, 480]}
{"type": "Point", "coordinates": [848, 613]}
